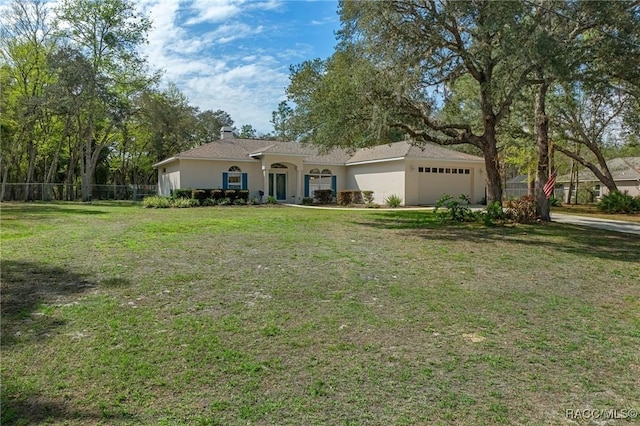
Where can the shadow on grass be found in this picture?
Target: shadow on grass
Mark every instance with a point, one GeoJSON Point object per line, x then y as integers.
{"type": "Point", "coordinates": [27, 209]}
{"type": "Point", "coordinates": [559, 237]}
{"type": "Point", "coordinates": [19, 407]}
{"type": "Point", "coordinates": [25, 287]}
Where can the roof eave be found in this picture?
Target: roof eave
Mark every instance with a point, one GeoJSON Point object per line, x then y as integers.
{"type": "Point", "coordinates": [163, 162]}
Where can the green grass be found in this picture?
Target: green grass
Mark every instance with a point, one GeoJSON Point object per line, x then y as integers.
{"type": "Point", "coordinates": [115, 314]}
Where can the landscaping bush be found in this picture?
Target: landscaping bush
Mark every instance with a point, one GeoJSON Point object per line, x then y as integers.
{"type": "Point", "coordinates": [183, 203]}
{"type": "Point", "coordinates": [368, 197]}
{"type": "Point", "coordinates": [344, 197]}
{"type": "Point", "coordinates": [554, 202]}
{"type": "Point", "coordinates": [231, 194]}
{"type": "Point", "coordinates": [156, 202]}
{"type": "Point", "coordinates": [217, 194]}
{"type": "Point", "coordinates": [307, 201]}
{"type": "Point", "coordinates": [457, 209]}
{"type": "Point", "coordinates": [323, 196]}
{"type": "Point", "coordinates": [272, 200]}
{"type": "Point", "coordinates": [243, 194]}
{"type": "Point", "coordinates": [492, 213]}
{"type": "Point", "coordinates": [253, 202]}
{"type": "Point", "coordinates": [522, 210]}
{"type": "Point", "coordinates": [356, 197]}
{"type": "Point", "coordinates": [182, 193]}
{"type": "Point", "coordinates": [618, 202]}
{"type": "Point", "coordinates": [393, 201]}
{"type": "Point", "coordinates": [199, 194]}
{"type": "Point", "coordinates": [239, 202]}
{"type": "Point", "coordinates": [210, 202]}
{"type": "Point", "coordinates": [226, 201]}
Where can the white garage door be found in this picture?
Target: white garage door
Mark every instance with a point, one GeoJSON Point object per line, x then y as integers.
{"type": "Point", "coordinates": [434, 182]}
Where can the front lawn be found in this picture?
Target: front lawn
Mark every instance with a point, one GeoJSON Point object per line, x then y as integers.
{"type": "Point", "coordinates": [115, 314]}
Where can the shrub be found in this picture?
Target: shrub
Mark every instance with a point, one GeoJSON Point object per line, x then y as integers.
{"type": "Point", "coordinates": [323, 196]}
{"type": "Point", "coordinates": [457, 209]}
{"type": "Point", "coordinates": [356, 198]}
{"type": "Point", "coordinates": [522, 210]}
{"type": "Point", "coordinates": [307, 201]}
{"type": "Point", "coordinates": [618, 202]}
{"type": "Point", "coordinates": [199, 194]}
{"type": "Point", "coordinates": [225, 201]}
{"type": "Point", "coordinates": [182, 193]}
{"type": "Point", "coordinates": [239, 202]}
{"type": "Point", "coordinates": [183, 203]}
{"type": "Point", "coordinates": [231, 194]}
{"type": "Point", "coordinates": [344, 197]}
{"type": "Point", "coordinates": [156, 202]}
{"type": "Point", "coordinates": [272, 200]}
{"type": "Point", "coordinates": [368, 197]}
{"type": "Point", "coordinates": [253, 201]}
{"type": "Point", "coordinates": [554, 202]}
{"type": "Point", "coordinates": [393, 201]}
{"type": "Point", "coordinates": [243, 194]}
{"type": "Point", "coordinates": [492, 213]}
{"type": "Point", "coordinates": [217, 194]}
{"type": "Point", "coordinates": [209, 202]}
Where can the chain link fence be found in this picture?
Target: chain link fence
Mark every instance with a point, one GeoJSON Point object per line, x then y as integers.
{"type": "Point", "coordinates": [64, 192]}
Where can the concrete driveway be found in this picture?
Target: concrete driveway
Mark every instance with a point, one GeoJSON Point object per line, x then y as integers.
{"type": "Point", "coordinates": [610, 225]}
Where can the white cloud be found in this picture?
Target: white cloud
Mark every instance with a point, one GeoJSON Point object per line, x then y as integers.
{"type": "Point", "coordinates": [206, 48]}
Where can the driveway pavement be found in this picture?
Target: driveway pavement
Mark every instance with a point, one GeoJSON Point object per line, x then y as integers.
{"type": "Point", "coordinates": [610, 225]}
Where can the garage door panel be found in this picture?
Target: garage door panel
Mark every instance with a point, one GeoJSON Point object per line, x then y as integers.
{"type": "Point", "coordinates": [431, 187]}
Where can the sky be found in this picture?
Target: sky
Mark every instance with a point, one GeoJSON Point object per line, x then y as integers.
{"type": "Point", "coordinates": [234, 55]}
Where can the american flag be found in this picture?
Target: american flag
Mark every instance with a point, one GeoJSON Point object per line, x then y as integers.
{"type": "Point", "coordinates": [548, 187]}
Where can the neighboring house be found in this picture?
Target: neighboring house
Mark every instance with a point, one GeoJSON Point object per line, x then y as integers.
{"type": "Point", "coordinates": [290, 171]}
{"type": "Point", "coordinates": [625, 172]}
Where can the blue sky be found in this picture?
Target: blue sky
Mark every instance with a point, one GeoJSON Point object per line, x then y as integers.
{"type": "Point", "coordinates": [234, 55]}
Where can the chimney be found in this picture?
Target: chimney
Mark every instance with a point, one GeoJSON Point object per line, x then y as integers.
{"type": "Point", "coordinates": [226, 132]}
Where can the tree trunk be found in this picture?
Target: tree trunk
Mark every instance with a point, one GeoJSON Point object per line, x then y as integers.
{"type": "Point", "coordinates": [573, 166]}
{"type": "Point", "coordinates": [603, 177]}
{"type": "Point", "coordinates": [543, 209]}
{"type": "Point", "coordinates": [492, 164]}
{"type": "Point", "coordinates": [31, 152]}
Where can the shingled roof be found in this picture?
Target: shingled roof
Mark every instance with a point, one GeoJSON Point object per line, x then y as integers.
{"type": "Point", "coordinates": [406, 150]}
{"type": "Point", "coordinates": [249, 149]}
{"type": "Point", "coordinates": [622, 168]}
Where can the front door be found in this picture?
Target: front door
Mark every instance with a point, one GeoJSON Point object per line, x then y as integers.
{"type": "Point", "coordinates": [278, 186]}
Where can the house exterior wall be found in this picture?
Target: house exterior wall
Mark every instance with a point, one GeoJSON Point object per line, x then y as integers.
{"type": "Point", "coordinates": [207, 174]}
{"type": "Point", "coordinates": [629, 186]}
{"type": "Point", "coordinates": [383, 178]}
{"type": "Point", "coordinates": [168, 178]}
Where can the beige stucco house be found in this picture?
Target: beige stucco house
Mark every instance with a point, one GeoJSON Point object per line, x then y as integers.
{"type": "Point", "coordinates": [290, 171]}
{"type": "Point", "coordinates": [625, 172]}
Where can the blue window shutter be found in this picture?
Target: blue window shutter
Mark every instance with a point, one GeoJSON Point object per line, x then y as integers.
{"type": "Point", "coordinates": [225, 180]}
{"type": "Point", "coordinates": [306, 185]}
{"type": "Point", "coordinates": [334, 184]}
{"type": "Point", "coordinates": [244, 181]}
